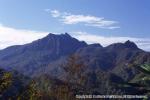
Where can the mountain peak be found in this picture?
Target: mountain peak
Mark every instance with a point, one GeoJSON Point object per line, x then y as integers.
{"type": "Point", "coordinates": [130, 44]}
{"type": "Point", "coordinates": [59, 44]}
{"type": "Point", "coordinates": [128, 41]}
{"type": "Point", "coordinates": [58, 35]}
{"type": "Point", "coordinates": [117, 46]}
{"type": "Point", "coordinates": [66, 34]}
{"type": "Point", "coordinates": [50, 34]}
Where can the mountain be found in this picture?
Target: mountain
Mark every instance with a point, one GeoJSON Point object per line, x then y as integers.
{"type": "Point", "coordinates": [47, 55]}
{"type": "Point", "coordinates": [58, 63]}
{"type": "Point", "coordinates": [29, 57]}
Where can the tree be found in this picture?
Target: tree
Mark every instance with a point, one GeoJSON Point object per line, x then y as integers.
{"type": "Point", "coordinates": [74, 69]}
{"type": "Point", "coordinates": [5, 82]}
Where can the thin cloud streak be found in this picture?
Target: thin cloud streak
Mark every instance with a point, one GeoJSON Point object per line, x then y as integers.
{"type": "Point", "coordinates": [55, 13]}
{"type": "Point", "coordinates": [86, 20]}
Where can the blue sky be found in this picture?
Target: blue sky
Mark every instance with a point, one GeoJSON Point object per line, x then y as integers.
{"type": "Point", "coordinates": [103, 21]}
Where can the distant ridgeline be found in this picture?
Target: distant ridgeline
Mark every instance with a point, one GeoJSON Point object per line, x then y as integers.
{"type": "Point", "coordinates": [58, 67]}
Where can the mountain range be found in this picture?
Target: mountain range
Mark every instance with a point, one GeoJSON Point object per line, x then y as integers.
{"type": "Point", "coordinates": [45, 68]}
{"type": "Point", "coordinates": [46, 55]}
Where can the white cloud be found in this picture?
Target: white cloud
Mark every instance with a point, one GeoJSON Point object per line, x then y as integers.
{"type": "Point", "coordinates": [87, 20]}
{"type": "Point", "coordinates": [47, 10]}
{"type": "Point", "coordinates": [11, 36]}
{"type": "Point", "coordinates": [143, 43]}
{"type": "Point", "coordinates": [55, 13]}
